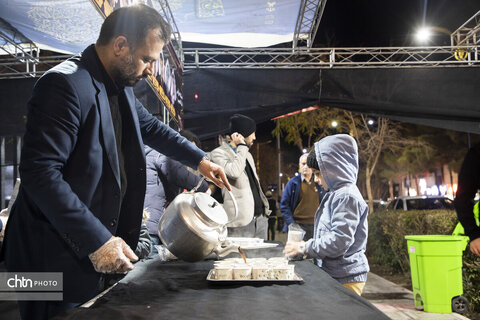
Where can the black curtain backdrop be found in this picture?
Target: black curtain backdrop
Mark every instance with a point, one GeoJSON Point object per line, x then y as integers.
{"type": "Point", "coordinates": [439, 97]}
{"type": "Point", "coordinates": [14, 95]}
{"type": "Point", "coordinates": [446, 98]}
{"type": "Point", "coordinates": [259, 94]}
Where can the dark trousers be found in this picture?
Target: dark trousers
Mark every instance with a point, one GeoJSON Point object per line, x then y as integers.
{"type": "Point", "coordinates": [271, 228]}
{"type": "Point", "coordinates": [42, 310]}
{"type": "Point", "coordinates": [308, 228]}
{"type": "Point", "coordinates": [155, 242]}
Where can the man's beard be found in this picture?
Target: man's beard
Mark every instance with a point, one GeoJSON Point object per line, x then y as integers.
{"type": "Point", "coordinates": [125, 74]}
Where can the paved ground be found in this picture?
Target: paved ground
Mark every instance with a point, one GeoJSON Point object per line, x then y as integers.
{"type": "Point", "coordinates": [392, 299]}
{"type": "Point", "coordinates": [397, 302]}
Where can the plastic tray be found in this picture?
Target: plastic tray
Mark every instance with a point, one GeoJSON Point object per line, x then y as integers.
{"type": "Point", "coordinates": [296, 279]}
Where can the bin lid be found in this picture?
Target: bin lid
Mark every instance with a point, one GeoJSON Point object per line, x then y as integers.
{"type": "Point", "coordinates": [436, 237]}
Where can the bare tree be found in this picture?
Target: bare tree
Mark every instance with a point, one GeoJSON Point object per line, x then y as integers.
{"type": "Point", "coordinates": [372, 139]}
{"type": "Point", "coordinates": [302, 129]}
{"type": "Point", "coordinates": [377, 137]}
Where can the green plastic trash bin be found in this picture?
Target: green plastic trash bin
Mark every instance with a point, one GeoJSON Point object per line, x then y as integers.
{"type": "Point", "coordinates": [436, 268]}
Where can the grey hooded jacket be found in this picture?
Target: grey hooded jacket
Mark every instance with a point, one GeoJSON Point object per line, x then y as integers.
{"type": "Point", "coordinates": [341, 228]}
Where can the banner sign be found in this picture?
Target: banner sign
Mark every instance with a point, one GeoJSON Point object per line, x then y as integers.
{"type": "Point", "coordinates": [167, 80]}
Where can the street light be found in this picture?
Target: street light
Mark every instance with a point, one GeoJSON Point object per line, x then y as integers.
{"type": "Point", "coordinates": [334, 123]}
{"type": "Point", "coordinates": [425, 33]}
{"type": "Point", "coordinates": [304, 150]}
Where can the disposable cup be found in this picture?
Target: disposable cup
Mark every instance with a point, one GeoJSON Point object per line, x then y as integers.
{"type": "Point", "coordinates": [295, 235]}
{"type": "Point", "coordinates": [223, 272]}
{"type": "Point", "coordinates": [261, 272]}
{"type": "Point", "coordinates": [242, 273]}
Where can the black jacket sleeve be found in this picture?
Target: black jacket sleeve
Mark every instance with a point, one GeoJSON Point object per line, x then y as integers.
{"type": "Point", "coordinates": [468, 184]}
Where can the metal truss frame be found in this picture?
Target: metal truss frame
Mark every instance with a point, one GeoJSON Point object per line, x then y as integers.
{"type": "Point", "coordinates": [385, 57]}
{"type": "Point", "coordinates": [18, 67]}
{"type": "Point", "coordinates": [271, 58]}
{"type": "Point", "coordinates": [19, 54]}
{"type": "Point", "coordinates": [176, 44]}
{"type": "Point", "coordinates": [308, 20]}
{"type": "Point", "coordinates": [468, 33]}
{"type": "Point", "coordinates": [23, 56]}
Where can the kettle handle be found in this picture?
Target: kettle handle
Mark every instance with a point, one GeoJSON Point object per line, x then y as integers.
{"type": "Point", "coordinates": [229, 192]}
{"type": "Point", "coordinates": [234, 205]}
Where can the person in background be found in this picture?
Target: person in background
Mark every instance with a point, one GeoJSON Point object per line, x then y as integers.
{"type": "Point", "coordinates": [272, 218]}
{"type": "Point", "coordinates": [145, 244]}
{"type": "Point", "coordinates": [301, 198]}
{"type": "Point", "coordinates": [341, 227]}
{"type": "Point", "coordinates": [79, 207]}
{"type": "Point", "coordinates": [166, 178]}
{"type": "Point", "coordinates": [234, 157]}
{"type": "Point", "coordinates": [468, 186]}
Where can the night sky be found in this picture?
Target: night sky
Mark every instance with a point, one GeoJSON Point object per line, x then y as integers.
{"type": "Point", "coordinates": [378, 23]}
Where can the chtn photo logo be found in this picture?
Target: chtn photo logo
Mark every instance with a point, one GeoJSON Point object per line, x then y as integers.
{"type": "Point", "coordinates": [17, 282]}
{"type": "Point", "coordinates": [22, 282]}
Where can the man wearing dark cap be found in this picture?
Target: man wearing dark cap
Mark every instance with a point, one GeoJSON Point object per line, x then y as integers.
{"type": "Point", "coordinates": [233, 156]}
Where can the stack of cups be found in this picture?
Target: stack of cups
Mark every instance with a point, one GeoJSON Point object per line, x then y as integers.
{"type": "Point", "coordinates": [255, 269]}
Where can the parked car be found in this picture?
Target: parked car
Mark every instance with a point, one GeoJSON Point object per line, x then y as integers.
{"type": "Point", "coordinates": [379, 204]}
{"type": "Point", "coordinates": [421, 203]}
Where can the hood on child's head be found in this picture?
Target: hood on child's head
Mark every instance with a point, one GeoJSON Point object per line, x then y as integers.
{"type": "Point", "coordinates": [337, 158]}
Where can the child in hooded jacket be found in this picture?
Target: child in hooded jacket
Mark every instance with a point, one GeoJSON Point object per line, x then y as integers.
{"type": "Point", "coordinates": [341, 228]}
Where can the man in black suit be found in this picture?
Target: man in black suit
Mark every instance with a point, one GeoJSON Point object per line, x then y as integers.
{"type": "Point", "coordinates": [79, 208]}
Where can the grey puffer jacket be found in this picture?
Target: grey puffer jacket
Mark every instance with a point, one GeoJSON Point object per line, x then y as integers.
{"type": "Point", "coordinates": [166, 178]}
{"type": "Point", "coordinates": [341, 228]}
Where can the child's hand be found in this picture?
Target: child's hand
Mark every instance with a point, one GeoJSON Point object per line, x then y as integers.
{"type": "Point", "coordinates": [294, 249]}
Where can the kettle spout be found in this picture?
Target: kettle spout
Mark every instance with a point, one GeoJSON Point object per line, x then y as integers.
{"type": "Point", "coordinates": [222, 251]}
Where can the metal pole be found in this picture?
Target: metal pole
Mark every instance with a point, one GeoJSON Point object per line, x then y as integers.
{"type": "Point", "coordinates": [258, 157]}
{"type": "Point", "coordinates": [2, 173]}
{"type": "Point", "coordinates": [279, 157]}
{"type": "Point", "coordinates": [18, 151]}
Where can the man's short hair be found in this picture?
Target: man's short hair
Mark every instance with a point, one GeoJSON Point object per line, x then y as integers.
{"type": "Point", "coordinates": [133, 22]}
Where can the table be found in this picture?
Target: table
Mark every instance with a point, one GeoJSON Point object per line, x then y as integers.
{"type": "Point", "coordinates": [179, 290]}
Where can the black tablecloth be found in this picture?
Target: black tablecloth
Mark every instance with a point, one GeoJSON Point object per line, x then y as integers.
{"type": "Point", "coordinates": [179, 290]}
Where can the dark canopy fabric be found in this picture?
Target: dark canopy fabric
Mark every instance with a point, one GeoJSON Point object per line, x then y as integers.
{"type": "Point", "coordinates": [259, 94]}
{"type": "Point", "coordinates": [14, 95]}
{"type": "Point", "coordinates": [439, 97]}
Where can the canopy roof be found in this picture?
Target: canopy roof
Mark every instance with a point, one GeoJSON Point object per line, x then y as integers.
{"type": "Point", "coordinates": [441, 97]}
{"type": "Point", "coordinates": [71, 25]}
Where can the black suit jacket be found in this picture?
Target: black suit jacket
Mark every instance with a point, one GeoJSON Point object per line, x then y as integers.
{"type": "Point", "coordinates": [69, 201]}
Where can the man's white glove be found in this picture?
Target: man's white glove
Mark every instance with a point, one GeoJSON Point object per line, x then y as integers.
{"type": "Point", "coordinates": [113, 257]}
{"type": "Point", "coordinates": [294, 249]}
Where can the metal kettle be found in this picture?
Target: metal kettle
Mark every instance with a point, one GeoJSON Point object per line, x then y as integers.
{"type": "Point", "coordinates": [194, 225]}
